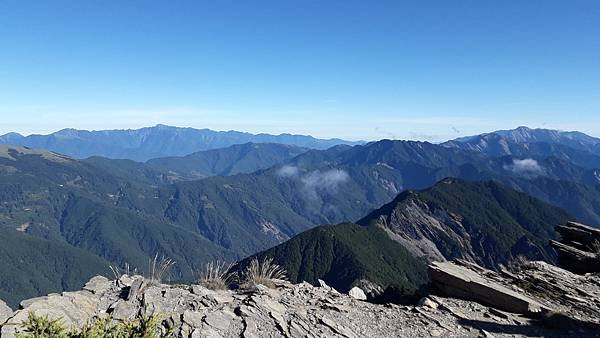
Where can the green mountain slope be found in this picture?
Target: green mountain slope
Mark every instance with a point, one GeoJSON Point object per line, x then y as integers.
{"type": "Point", "coordinates": [343, 255]}
{"type": "Point", "coordinates": [249, 213]}
{"type": "Point", "coordinates": [237, 159]}
{"type": "Point", "coordinates": [61, 201]}
{"type": "Point", "coordinates": [33, 266]}
{"type": "Point", "coordinates": [581, 200]}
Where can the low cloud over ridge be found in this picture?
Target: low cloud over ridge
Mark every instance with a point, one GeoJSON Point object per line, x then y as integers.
{"type": "Point", "coordinates": [528, 166]}
{"type": "Point", "coordinates": [316, 181]}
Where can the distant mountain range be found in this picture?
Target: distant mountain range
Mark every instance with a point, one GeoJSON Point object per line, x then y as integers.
{"type": "Point", "coordinates": [236, 201]}
{"type": "Point", "coordinates": [153, 142]}
{"type": "Point", "coordinates": [523, 140]}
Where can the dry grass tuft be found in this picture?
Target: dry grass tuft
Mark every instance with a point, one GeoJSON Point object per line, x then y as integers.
{"type": "Point", "coordinates": [118, 272]}
{"type": "Point", "coordinates": [263, 272]}
{"type": "Point", "coordinates": [216, 275]}
{"type": "Point", "coordinates": [159, 269]}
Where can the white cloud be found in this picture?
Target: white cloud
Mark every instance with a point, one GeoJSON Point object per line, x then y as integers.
{"type": "Point", "coordinates": [327, 181]}
{"type": "Point", "coordinates": [288, 171]}
{"type": "Point", "coordinates": [528, 167]}
{"type": "Point", "coordinates": [315, 182]}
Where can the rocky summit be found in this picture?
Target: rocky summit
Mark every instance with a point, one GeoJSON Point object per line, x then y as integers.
{"type": "Point", "coordinates": [466, 301]}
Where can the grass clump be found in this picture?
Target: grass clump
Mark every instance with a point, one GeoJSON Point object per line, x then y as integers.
{"type": "Point", "coordinates": [159, 269]}
{"type": "Point", "coordinates": [126, 271]}
{"type": "Point", "coordinates": [263, 272]}
{"type": "Point", "coordinates": [217, 276]}
{"type": "Point", "coordinates": [43, 327]}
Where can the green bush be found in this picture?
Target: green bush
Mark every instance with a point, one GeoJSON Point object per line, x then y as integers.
{"type": "Point", "coordinates": [43, 327]}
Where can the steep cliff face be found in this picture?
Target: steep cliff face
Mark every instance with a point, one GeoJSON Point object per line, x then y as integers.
{"type": "Point", "coordinates": [428, 230]}
{"type": "Point", "coordinates": [482, 222]}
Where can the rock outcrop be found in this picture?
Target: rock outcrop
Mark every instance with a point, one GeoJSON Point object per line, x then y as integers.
{"type": "Point", "coordinates": [579, 247]}
{"type": "Point", "coordinates": [303, 310]}
{"type": "Point", "coordinates": [470, 281]}
{"type": "Point", "coordinates": [538, 290]}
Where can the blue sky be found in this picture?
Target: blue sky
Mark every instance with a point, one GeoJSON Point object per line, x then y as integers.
{"type": "Point", "coordinates": [426, 70]}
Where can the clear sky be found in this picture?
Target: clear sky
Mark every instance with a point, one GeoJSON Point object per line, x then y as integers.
{"type": "Point", "coordinates": [425, 70]}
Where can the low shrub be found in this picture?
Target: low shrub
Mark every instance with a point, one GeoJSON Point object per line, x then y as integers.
{"type": "Point", "coordinates": [105, 327]}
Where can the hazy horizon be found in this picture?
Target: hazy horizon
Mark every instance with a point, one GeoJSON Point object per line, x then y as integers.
{"type": "Point", "coordinates": [302, 134]}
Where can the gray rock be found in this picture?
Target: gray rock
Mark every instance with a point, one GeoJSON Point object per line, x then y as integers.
{"type": "Point", "coordinates": [73, 308]}
{"type": "Point", "coordinates": [337, 327]}
{"type": "Point", "coordinates": [357, 293]}
{"type": "Point", "coordinates": [578, 248]}
{"type": "Point", "coordinates": [323, 284]}
{"type": "Point", "coordinates": [219, 320]}
{"type": "Point", "coordinates": [27, 302]}
{"type": "Point", "coordinates": [372, 290]}
{"type": "Point", "coordinates": [98, 285]}
{"type": "Point", "coordinates": [135, 288]}
{"type": "Point", "coordinates": [427, 302]}
{"type": "Point", "coordinates": [458, 281]}
{"type": "Point", "coordinates": [193, 318]}
{"type": "Point", "coordinates": [125, 280]}
{"type": "Point", "coordinates": [124, 310]}
{"type": "Point", "coordinates": [201, 290]}
{"type": "Point", "coordinates": [327, 287]}
{"type": "Point", "coordinates": [5, 312]}
{"type": "Point", "coordinates": [166, 299]}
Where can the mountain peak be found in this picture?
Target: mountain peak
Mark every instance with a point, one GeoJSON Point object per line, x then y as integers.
{"type": "Point", "coordinates": [519, 141]}
{"type": "Point", "coordinates": [164, 127]}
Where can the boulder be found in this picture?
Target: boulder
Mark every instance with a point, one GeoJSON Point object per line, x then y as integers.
{"type": "Point", "coordinates": [98, 285]}
{"type": "Point", "coordinates": [357, 293]}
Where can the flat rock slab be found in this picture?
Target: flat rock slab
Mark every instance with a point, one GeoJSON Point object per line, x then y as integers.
{"type": "Point", "coordinates": [459, 281]}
